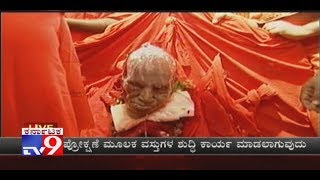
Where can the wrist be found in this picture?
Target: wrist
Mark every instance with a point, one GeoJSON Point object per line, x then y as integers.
{"type": "Point", "coordinates": [297, 34]}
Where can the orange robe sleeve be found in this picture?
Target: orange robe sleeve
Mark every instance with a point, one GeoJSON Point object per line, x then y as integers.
{"type": "Point", "coordinates": [41, 74]}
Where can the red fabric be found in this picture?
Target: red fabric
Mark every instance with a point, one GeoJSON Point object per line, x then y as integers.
{"type": "Point", "coordinates": [80, 35]}
{"type": "Point", "coordinates": [252, 90]}
{"type": "Point", "coordinates": [42, 81]}
{"type": "Point", "coordinates": [247, 81]}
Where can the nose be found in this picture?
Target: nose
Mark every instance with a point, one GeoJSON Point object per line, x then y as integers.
{"type": "Point", "coordinates": [146, 95]}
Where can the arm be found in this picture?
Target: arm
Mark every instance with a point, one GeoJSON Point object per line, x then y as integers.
{"type": "Point", "coordinates": [95, 26]}
{"type": "Point", "coordinates": [218, 17]}
{"type": "Point", "coordinates": [311, 29]}
{"type": "Point", "coordinates": [292, 31]}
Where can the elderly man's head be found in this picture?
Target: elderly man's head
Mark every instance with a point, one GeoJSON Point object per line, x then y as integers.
{"type": "Point", "coordinates": [148, 79]}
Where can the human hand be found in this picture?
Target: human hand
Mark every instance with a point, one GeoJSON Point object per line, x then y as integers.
{"type": "Point", "coordinates": [221, 16]}
{"type": "Point", "coordinates": [218, 17]}
{"type": "Point", "coordinates": [285, 29]}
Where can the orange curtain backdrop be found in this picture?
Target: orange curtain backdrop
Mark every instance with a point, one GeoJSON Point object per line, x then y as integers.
{"type": "Point", "coordinates": [256, 81]}
{"type": "Point", "coordinates": [42, 81]}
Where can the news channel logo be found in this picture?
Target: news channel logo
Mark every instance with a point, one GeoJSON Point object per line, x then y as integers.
{"type": "Point", "coordinates": [42, 141]}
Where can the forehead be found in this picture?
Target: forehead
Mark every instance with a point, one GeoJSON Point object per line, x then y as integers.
{"type": "Point", "coordinates": [151, 55]}
{"type": "Point", "coordinates": [150, 64]}
{"type": "Point", "coordinates": [145, 74]}
{"type": "Point", "coordinates": [148, 52]}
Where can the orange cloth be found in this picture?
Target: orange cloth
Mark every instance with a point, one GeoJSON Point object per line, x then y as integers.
{"type": "Point", "coordinates": [311, 44]}
{"type": "Point", "coordinates": [80, 35]}
{"type": "Point", "coordinates": [41, 75]}
{"type": "Point", "coordinates": [252, 90]}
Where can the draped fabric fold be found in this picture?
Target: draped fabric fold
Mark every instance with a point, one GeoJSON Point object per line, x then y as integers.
{"type": "Point", "coordinates": [245, 81]}
{"type": "Point", "coordinates": [249, 90]}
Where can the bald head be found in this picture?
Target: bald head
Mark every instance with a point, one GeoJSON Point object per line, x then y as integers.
{"type": "Point", "coordinates": [148, 79]}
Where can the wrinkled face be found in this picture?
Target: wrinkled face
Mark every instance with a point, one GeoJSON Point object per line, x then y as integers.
{"type": "Point", "coordinates": [148, 84]}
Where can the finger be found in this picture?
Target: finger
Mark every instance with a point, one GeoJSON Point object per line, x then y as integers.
{"type": "Point", "coordinates": [266, 26]}
{"type": "Point", "coordinates": [221, 16]}
{"type": "Point", "coordinates": [228, 16]}
{"type": "Point", "coordinates": [252, 24]}
{"type": "Point", "coordinates": [270, 27]}
{"type": "Point", "coordinates": [274, 31]}
{"type": "Point", "coordinates": [255, 15]}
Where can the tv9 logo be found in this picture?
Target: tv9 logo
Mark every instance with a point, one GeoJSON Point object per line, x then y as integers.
{"type": "Point", "coordinates": [42, 141]}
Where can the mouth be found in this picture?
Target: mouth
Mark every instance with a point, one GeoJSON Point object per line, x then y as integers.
{"type": "Point", "coordinates": [141, 108]}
